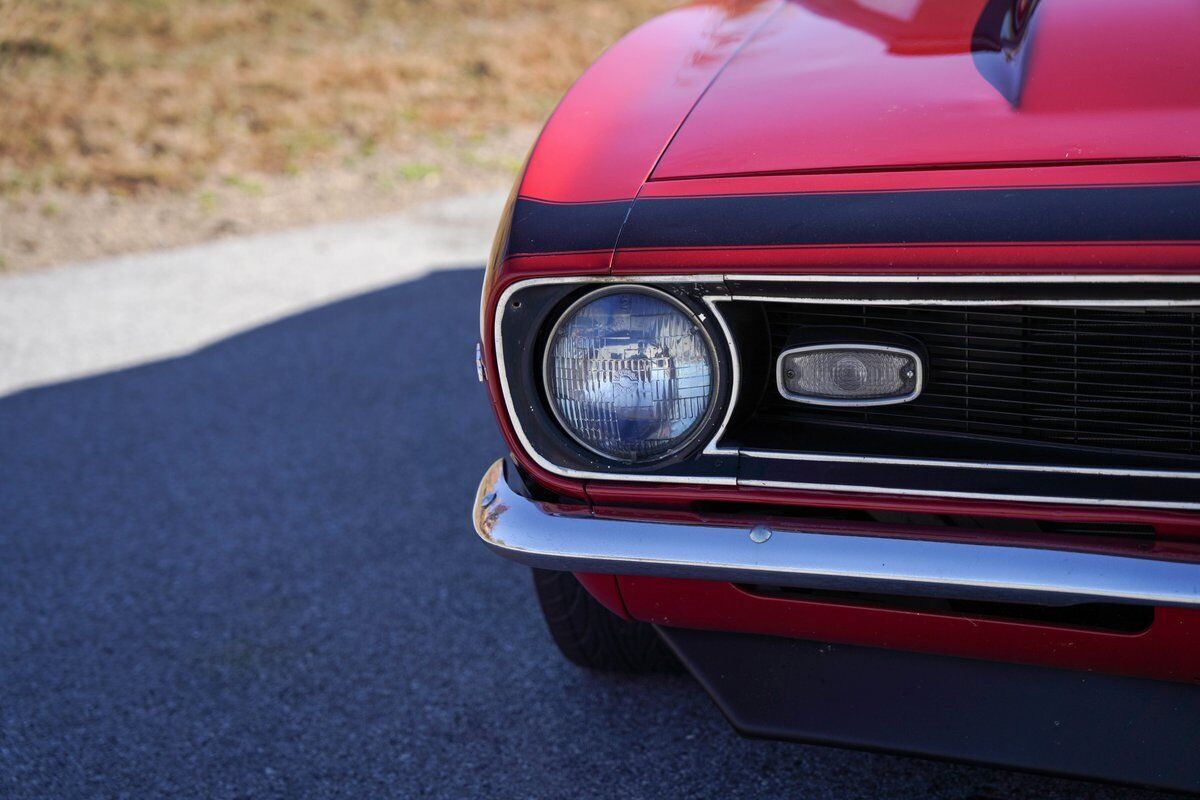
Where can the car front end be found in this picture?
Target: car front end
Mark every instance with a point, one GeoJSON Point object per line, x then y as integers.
{"type": "Point", "coordinates": [876, 397]}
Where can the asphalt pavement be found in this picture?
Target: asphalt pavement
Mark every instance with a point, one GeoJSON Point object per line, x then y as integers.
{"type": "Point", "coordinates": [247, 571]}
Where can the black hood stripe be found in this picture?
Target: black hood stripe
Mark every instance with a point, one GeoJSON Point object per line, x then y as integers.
{"type": "Point", "coordinates": [1159, 213]}
{"type": "Point", "coordinates": [539, 227]}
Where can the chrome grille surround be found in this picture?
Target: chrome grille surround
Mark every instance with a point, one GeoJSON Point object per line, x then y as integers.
{"type": "Point", "coordinates": [1137, 483]}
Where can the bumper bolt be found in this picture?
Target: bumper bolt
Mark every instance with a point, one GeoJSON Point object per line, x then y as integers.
{"type": "Point", "coordinates": [759, 534]}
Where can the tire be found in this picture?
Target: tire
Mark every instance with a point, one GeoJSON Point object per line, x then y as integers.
{"type": "Point", "coordinates": [590, 635]}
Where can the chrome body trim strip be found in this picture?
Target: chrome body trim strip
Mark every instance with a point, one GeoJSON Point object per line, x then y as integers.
{"type": "Point", "coordinates": [1006, 278]}
{"type": "Point", "coordinates": [712, 449]}
{"type": "Point", "coordinates": [543, 535]}
{"type": "Point", "coordinates": [1015, 498]}
{"type": "Point", "coordinates": [790, 455]}
{"type": "Point", "coordinates": [906, 301]}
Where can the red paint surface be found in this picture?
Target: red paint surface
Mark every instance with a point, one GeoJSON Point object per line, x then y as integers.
{"type": "Point", "coordinates": [851, 85]}
{"type": "Point", "coordinates": [608, 132]}
{"type": "Point", "coordinates": [1169, 649]}
{"type": "Point", "coordinates": [677, 498]}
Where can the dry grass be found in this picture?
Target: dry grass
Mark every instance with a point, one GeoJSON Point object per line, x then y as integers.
{"type": "Point", "coordinates": [136, 95]}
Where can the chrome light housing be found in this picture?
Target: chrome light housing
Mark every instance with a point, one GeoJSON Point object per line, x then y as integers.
{"type": "Point", "coordinates": [630, 374]}
{"type": "Point", "coordinates": [849, 374]}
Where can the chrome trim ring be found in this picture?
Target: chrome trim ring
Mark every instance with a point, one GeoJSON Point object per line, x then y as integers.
{"type": "Point", "coordinates": [567, 472]}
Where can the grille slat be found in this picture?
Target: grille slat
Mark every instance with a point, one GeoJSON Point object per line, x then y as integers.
{"type": "Point", "coordinates": [1121, 378]}
{"type": "Point", "coordinates": [1055, 399]}
{"type": "Point", "coordinates": [952, 315]}
{"type": "Point", "coordinates": [1037, 413]}
{"type": "Point", "coordinates": [980, 339]}
{"type": "Point", "coordinates": [1122, 393]}
{"type": "Point", "coordinates": [1129, 373]}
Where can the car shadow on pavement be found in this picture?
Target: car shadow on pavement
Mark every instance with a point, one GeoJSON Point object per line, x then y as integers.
{"type": "Point", "coordinates": [248, 572]}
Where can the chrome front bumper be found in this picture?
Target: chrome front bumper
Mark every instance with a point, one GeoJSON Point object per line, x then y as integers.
{"type": "Point", "coordinates": [554, 537]}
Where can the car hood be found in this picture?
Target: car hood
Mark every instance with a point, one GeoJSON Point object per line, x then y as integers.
{"type": "Point", "coordinates": [831, 85]}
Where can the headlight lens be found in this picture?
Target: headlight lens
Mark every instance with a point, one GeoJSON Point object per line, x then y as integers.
{"type": "Point", "coordinates": [630, 374]}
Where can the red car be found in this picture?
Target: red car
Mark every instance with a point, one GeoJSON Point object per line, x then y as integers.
{"type": "Point", "coordinates": [848, 352]}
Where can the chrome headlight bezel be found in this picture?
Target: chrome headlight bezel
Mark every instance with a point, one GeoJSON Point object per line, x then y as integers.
{"type": "Point", "coordinates": [699, 431]}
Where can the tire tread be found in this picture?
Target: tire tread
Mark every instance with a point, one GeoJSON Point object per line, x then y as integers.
{"type": "Point", "coordinates": [591, 636]}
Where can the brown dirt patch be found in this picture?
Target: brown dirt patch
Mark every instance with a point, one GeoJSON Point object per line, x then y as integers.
{"type": "Point", "coordinates": [189, 119]}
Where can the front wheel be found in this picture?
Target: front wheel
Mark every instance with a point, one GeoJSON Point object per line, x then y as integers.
{"type": "Point", "coordinates": [590, 635]}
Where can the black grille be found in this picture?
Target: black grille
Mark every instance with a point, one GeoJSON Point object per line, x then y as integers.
{"type": "Point", "coordinates": [1124, 378]}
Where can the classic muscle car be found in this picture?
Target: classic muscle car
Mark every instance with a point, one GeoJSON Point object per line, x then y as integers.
{"type": "Point", "coordinates": [848, 354]}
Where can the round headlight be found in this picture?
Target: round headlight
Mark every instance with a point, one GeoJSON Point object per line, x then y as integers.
{"type": "Point", "coordinates": [630, 374]}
